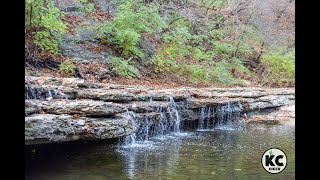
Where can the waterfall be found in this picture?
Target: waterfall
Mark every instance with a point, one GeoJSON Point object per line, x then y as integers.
{"type": "Point", "coordinates": [42, 93]}
{"type": "Point", "coordinates": [176, 119]}
{"type": "Point", "coordinates": [168, 122]}
{"type": "Point", "coordinates": [131, 139]}
{"type": "Point", "coordinates": [202, 117]}
{"type": "Point", "coordinates": [210, 117]}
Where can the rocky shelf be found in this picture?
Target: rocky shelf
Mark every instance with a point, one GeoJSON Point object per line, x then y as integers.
{"type": "Point", "coordinates": [69, 109]}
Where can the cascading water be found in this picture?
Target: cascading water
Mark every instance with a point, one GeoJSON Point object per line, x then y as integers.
{"type": "Point", "coordinates": [131, 139]}
{"type": "Point", "coordinates": [42, 93]}
{"type": "Point", "coordinates": [176, 118]}
{"type": "Point", "coordinates": [210, 117]}
{"type": "Point", "coordinates": [168, 122]}
{"type": "Point", "coordinates": [204, 116]}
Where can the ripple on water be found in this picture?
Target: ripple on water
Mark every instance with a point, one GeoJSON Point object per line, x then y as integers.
{"type": "Point", "coordinates": [222, 128]}
{"type": "Point", "coordinates": [179, 134]}
{"type": "Point", "coordinates": [140, 144]}
{"type": "Point", "coordinates": [225, 128]}
{"type": "Point", "coordinates": [205, 130]}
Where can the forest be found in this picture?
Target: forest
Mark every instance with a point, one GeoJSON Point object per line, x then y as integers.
{"type": "Point", "coordinates": [188, 42]}
{"type": "Point", "coordinates": [159, 89]}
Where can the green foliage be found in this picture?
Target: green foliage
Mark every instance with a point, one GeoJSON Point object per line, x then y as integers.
{"type": "Point", "coordinates": [216, 34]}
{"type": "Point", "coordinates": [200, 55]}
{"type": "Point", "coordinates": [125, 29]}
{"type": "Point", "coordinates": [125, 40]}
{"type": "Point", "coordinates": [179, 35]}
{"type": "Point", "coordinates": [67, 67]}
{"type": "Point", "coordinates": [279, 68]}
{"type": "Point", "coordinates": [45, 19]}
{"type": "Point", "coordinates": [222, 48]}
{"type": "Point", "coordinates": [116, 3]}
{"type": "Point", "coordinates": [184, 50]}
{"type": "Point", "coordinates": [194, 56]}
{"type": "Point", "coordinates": [88, 7]}
{"type": "Point", "coordinates": [221, 73]}
{"type": "Point", "coordinates": [124, 67]}
{"type": "Point", "coordinates": [164, 60]}
{"type": "Point", "coordinates": [238, 66]}
{"type": "Point", "coordinates": [196, 73]}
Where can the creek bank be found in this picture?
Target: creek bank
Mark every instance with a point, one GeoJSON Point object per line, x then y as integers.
{"type": "Point", "coordinates": [69, 109]}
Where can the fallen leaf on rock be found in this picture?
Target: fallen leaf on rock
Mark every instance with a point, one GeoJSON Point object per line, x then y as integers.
{"type": "Point", "coordinates": [76, 116]}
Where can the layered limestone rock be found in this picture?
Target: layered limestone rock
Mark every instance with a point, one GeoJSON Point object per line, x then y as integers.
{"type": "Point", "coordinates": [68, 109]}
{"type": "Point", "coordinates": [283, 115]}
{"type": "Point", "coordinates": [79, 107]}
{"type": "Point", "coordinates": [47, 128]}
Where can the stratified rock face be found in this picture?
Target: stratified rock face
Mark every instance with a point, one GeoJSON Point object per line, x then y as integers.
{"type": "Point", "coordinates": [283, 115]}
{"type": "Point", "coordinates": [269, 101]}
{"type": "Point", "coordinates": [79, 107]}
{"type": "Point", "coordinates": [111, 95]}
{"type": "Point", "coordinates": [77, 52]}
{"type": "Point", "coordinates": [69, 109]}
{"type": "Point", "coordinates": [47, 128]}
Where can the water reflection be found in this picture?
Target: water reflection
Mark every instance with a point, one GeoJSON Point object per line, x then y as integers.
{"type": "Point", "coordinates": [226, 152]}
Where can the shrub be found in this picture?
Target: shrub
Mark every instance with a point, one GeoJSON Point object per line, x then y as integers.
{"type": "Point", "coordinates": [199, 55]}
{"type": "Point", "coordinates": [67, 67]}
{"type": "Point", "coordinates": [165, 60]}
{"type": "Point", "coordinates": [279, 68]}
{"type": "Point", "coordinates": [180, 35]}
{"type": "Point", "coordinates": [125, 29]}
{"type": "Point", "coordinates": [124, 68]}
{"type": "Point", "coordinates": [222, 48]}
{"type": "Point", "coordinates": [221, 73]}
{"type": "Point", "coordinates": [196, 60]}
{"type": "Point", "coordinates": [88, 7]}
{"type": "Point", "coordinates": [125, 40]}
{"type": "Point", "coordinates": [238, 66]}
{"type": "Point", "coordinates": [196, 73]}
{"type": "Point", "coordinates": [42, 18]}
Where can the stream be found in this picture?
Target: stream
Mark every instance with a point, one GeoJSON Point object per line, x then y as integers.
{"type": "Point", "coordinates": [229, 151]}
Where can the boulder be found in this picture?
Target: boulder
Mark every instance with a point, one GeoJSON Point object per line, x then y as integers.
{"type": "Point", "coordinates": [147, 48]}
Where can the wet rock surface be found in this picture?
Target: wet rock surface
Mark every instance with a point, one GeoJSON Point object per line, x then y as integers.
{"type": "Point", "coordinates": [70, 109]}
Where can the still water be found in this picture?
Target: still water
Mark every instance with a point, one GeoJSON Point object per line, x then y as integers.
{"type": "Point", "coordinates": [225, 152]}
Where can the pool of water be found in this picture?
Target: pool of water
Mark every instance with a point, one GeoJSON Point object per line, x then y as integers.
{"type": "Point", "coordinates": [225, 152]}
